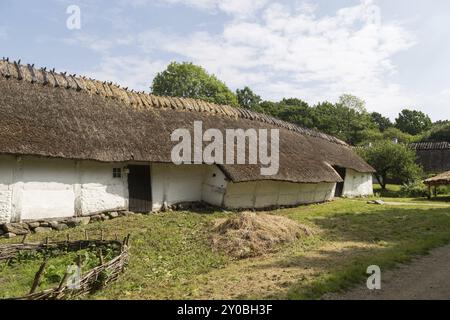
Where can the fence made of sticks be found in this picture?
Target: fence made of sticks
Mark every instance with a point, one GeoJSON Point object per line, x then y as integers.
{"type": "Point", "coordinates": [89, 281]}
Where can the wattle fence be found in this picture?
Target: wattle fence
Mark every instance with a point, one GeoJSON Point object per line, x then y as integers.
{"type": "Point", "coordinates": [100, 276]}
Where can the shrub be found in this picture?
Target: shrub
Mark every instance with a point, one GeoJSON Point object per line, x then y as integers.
{"type": "Point", "coordinates": [414, 190]}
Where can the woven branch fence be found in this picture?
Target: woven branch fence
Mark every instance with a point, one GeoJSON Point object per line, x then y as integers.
{"type": "Point", "coordinates": [106, 272]}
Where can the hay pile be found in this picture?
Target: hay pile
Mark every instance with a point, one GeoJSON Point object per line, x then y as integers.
{"type": "Point", "coordinates": [251, 234]}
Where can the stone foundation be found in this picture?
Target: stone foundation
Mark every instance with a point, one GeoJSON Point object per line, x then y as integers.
{"type": "Point", "coordinates": [10, 230]}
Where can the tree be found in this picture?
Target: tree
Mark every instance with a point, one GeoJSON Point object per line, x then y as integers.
{"type": "Point", "coordinates": [369, 136]}
{"type": "Point", "coordinates": [392, 134]}
{"type": "Point", "coordinates": [296, 111]}
{"type": "Point", "coordinates": [341, 121]}
{"type": "Point", "coordinates": [439, 133]}
{"type": "Point", "coordinates": [190, 81]}
{"type": "Point", "coordinates": [353, 102]}
{"type": "Point", "coordinates": [413, 121]}
{"type": "Point", "coordinates": [392, 161]}
{"type": "Point", "coordinates": [248, 99]}
{"type": "Point", "coordinates": [270, 108]}
{"type": "Point", "coordinates": [381, 121]}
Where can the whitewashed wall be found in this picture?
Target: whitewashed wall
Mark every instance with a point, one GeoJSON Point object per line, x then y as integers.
{"type": "Point", "coordinates": [35, 188]}
{"type": "Point", "coordinates": [45, 189]}
{"type": "Point", "coordinates": [357, 184]}
{"type": "Point", "coordinates": [100, 191]}
{"type": "Point", "coordinates": [174, 184]}
{"type": "Point", "coordinates": [263, 194]}
{"type": "Point", "coordinates": [214, 186]}
{"type": "Point", "coordinates": [6, 178]}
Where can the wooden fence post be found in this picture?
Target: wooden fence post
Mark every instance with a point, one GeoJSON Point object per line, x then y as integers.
{"type": "Point", "coordinates": [38, 276]}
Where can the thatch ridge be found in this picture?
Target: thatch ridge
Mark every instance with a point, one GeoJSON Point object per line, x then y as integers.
{"type": "Point", "coordinates": [141, 99]}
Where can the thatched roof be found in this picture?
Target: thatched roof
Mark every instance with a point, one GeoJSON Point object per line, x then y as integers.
{"type": "Point", "coordinates": [430, 145]}
{"type": "Point", "coordinates": [50, 114]}
{"type": "Point", "coordinates": [440, 179]}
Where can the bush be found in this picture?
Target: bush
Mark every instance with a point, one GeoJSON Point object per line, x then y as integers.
{"type": "Point", "coordinates": [443, 190]}
{"type": "Point", "coordinates": [414, 190]}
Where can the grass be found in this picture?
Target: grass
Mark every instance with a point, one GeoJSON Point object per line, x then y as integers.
{"type": "Point", "coordinates": [171, 257]}
{"type": "Point", "coordinates": [17, 275]}
{"type": "Point", "coordinates": [392, 193]}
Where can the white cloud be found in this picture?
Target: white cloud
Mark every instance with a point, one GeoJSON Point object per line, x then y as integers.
{"type": "Point", "coordinates": [130, 71]}
{"type": "Point", "coordinates": [283, 51]}
{"type": "Point", "coordinates": [98, 44]}
{"type": "Point", "coordinates": [292, 52]}
{"type": "Point", "coordinates": [237, 8]}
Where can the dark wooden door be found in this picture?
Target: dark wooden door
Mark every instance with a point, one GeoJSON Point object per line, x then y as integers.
{"type": "Point", "coordinates": [140, 189]}
{"type": "Point", "coordinates": [340, 185]}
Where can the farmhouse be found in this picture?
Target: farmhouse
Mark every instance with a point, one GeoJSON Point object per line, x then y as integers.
{"type": "Point", "coordinates": [71, 146]}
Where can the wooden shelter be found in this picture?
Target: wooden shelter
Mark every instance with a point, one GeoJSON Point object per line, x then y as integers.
{"type": "Point", "coordinates": [442, 179]}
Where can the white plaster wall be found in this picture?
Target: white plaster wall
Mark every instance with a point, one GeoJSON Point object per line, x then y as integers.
{"type": "Point", "coordinates": [214, 186]}
{"type": "Point", "coordinates": [46, 187]}
{"type": "Point", "coordinates": [240, 195]}
{"type": "Point", "coordinates": [263, 194]}
{"type": "Point", "coordinates": [357, 184]}
{"type": "Point", "coordinates": [173, 184]}
{"type": "Point", "coordinates": [6, 178]}
{"type": "Point", "coordinates": [100, 191]}
{"type": "Point", "coordinates": [38, 188]}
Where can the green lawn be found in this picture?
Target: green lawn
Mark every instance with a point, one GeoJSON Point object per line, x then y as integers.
{"type": "Point", "coordinates": [171, 257]}
{"type": "Point", "coordinates": [392, 193]}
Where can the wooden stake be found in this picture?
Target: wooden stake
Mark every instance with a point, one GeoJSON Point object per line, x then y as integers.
{"type": "Point", "coordinates": [63, 280]}
{"type": "Point", "coordinates": [100, 255]}
{"type": "Point", "coordinates": [38, 276]}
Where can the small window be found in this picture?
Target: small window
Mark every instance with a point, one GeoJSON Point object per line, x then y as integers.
{"type": "Point", "coordinates": [117, 172]}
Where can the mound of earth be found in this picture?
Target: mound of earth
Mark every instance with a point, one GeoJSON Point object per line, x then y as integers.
{"type": "Point", "coordinates": [251, 234]}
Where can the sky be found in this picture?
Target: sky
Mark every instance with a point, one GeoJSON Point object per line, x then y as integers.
{"type": "Point", "coordinates": [392, 54]}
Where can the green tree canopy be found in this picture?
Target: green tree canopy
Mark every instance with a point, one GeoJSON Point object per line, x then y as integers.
{"type": "Point", "coordinates": [392, 161]}
{"type": "Point", "coordinates": [394, 133]}
{"type": "Point", "coordinates": [353, 102]}
{"type": "Point", "coordinates": [187, 80]}
{"type": "Point", "coordinates": [439, 133]}
{"type": "Point", "coordinates": [248, 99]}
{"type": "Point", "coordinates": [413, 121]}
{"type": "Point", "coordinates": [296, 111]}
{"type": "Point", "coordinates": [381, 121]}
{"type": "Point", "coordinates": [341, 121]}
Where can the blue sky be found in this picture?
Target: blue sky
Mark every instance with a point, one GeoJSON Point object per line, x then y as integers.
{"type": "Point", "coordinates": [393, 54]}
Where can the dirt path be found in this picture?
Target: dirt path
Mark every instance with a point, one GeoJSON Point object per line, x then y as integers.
{"type": "Point", "coordinates": [425, 278]}
{"type": "Point", "coordinates": [417, 204]}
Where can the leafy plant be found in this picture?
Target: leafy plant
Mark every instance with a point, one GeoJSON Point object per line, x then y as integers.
{"type": "Point", "coordinates": [413, 190]}
{"type": "Point", "coordinates": [392, 161]}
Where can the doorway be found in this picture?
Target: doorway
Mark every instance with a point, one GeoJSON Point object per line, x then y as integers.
{"type": "Point", "coordinates": [139, 189]}
{"type": "Point", "coordinates": [340, 185]}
